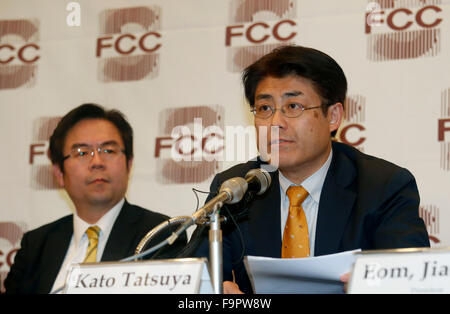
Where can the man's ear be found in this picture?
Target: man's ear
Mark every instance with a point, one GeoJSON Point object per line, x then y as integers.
{"type": "Point", "coordinates": [130, 164]}
{"type": "Point", "coordinates": [335, 116]}
{"type": "Point", "coordinates": [59, 175]}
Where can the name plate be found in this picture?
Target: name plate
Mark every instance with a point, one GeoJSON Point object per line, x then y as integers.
{"type": "Point", "coordinates": [401, 271]}
{"type": "Point", "coordinates": [177, 276]}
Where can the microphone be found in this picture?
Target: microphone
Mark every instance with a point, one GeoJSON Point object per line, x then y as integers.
{"type": "Point", "coordinates": [258, 180]}
{"type": "Point", "coordinates": [231, 191]}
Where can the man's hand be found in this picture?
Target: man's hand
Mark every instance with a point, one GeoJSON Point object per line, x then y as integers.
{"type": "Point", "coordinates": [230, 287]}
{"type": "Point", "coordinates": [344, 279]}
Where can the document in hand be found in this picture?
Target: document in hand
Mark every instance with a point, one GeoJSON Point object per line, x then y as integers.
{"type": "Point", "coordinates": [318, 274]}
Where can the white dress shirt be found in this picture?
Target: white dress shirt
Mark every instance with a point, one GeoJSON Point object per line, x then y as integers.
{"type": "Point", "coordinates": [313, 185]}
{"type": "Point", "coordinates": [80, 242]}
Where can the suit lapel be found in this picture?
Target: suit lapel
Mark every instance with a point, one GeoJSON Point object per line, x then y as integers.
{"type": "Point", "coordinates": [122, 235]}
{"type": "Point", "coordinates": [54, 253]}
{"type": "Point", "coordinates": [265, 229]}
{"type": "Point", "coordinates": [336, 203]}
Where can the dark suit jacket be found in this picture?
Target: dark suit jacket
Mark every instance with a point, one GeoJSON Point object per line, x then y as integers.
{"type": "Point", "coordinates": [366, 203]}
{"type": "Point", "coordinates": [42, 251]}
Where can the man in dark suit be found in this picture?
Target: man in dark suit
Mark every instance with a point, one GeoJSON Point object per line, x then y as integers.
{"type": "Point", "coordinates": [349, 200]}
{"type": "Point", "coordinates": [91, 151]}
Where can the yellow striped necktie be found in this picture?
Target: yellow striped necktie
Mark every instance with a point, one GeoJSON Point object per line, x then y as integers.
{"type": "Point", "coordinates": [295, 237]}
{"type": "Point", "coordinates": [91, 253]}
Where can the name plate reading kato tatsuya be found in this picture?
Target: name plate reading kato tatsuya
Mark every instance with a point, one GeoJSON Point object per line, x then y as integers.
{"type": "Point", "coordinates": [421, 270]}
{"type": "Point", "coordinates": [176, 276]}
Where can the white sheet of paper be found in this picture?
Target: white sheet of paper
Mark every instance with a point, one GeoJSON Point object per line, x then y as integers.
{"type": "Point", "coordinates": [319, 274]}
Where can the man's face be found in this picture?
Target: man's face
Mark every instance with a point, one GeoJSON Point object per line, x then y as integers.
{"type": "Point", "coordinates": [97, 182]}
{"type": "Point", "coordinates": [304, 142]}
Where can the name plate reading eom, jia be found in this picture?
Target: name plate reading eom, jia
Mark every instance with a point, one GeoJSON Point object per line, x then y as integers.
{"type": "Point", "coordinates": [177, 276]}
{"type": "Point", "coordinates": [416, 270]}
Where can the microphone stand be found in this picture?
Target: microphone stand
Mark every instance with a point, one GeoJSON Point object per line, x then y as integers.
{"type": "Point", "coordinates": [215, 250]}
{"type": "Point", "coordinates": [231, 191]}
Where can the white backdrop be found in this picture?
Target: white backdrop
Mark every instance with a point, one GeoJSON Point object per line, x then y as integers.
{"type": "Point", "coordinates": [164, 63]}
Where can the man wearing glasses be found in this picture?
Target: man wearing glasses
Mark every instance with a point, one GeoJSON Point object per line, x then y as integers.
{"type": "Point", "coordinates": [91, 151]}
{"type": "Point", "coordinates": [325, 197]}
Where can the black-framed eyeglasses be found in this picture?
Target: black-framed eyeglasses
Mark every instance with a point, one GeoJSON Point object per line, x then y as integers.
{"type": "Point", "coordinates": [291, 110]}
{"type": "Point", "coordinates": [85, 153]}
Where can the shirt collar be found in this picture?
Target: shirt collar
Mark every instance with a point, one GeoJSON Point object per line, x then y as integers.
{"type": "Point", "coordinates": [313, 184]}
{"type": "Point", "coordinates": [105, 223]}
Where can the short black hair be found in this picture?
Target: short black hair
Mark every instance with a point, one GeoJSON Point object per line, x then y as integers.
{"type": "Point", "coordinates": [88, 112]}
{"type": "Point", "coordinates": [324, 72]}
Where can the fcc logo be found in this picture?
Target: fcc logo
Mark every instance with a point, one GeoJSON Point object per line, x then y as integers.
{"type": "Point", "coordinates": [352, 130]}
{"type": "Point", "coordinates": [19, 53]}
{"type": "Point", "coordinates": [129, 42]}
{"type": "Point", "coordinates": [256, 28]}
{"type": "Point", "coordinates": [190, 145]}
{"type": "Point", "coordinates": [430, 215]}
{"type": "Point", "coordinates": [397, 29]}
{"type": "Point", "coordinates": [10, 235]}
{"type": "Point", "coordinates": [444, 129]}
{"type": "Point", "coordinates": [41, 170]}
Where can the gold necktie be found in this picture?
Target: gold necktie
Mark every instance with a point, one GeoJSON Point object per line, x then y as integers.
{"type": "Point", "coordinates": [295, 237]}
{"type": "Point", "coordinates": [91, 253]}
